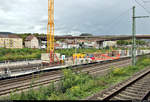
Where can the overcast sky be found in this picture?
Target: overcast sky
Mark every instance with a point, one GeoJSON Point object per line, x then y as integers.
{"type": "Point", "coordinates": [98, 17]}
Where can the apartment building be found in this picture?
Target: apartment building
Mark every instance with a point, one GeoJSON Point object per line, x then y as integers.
{"type": "Point", "coordinates": [10, 41]}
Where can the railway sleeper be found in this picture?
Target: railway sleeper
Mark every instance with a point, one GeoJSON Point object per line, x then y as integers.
{"type": "Point", "coordinates": [140, 85]}
{"type": "Point", "coordinates": [134, 94]}
{"type": "Point", "coordinates": [138, 89]}
{"type": "Point", "coordinates": [119, 98]}
{"type": "Point", "coordinates": [149, 98]}
{"type": "Point", "coordinates": [146, 82]}
{"type": "Point", "coordinates": [128, 97]}
{"type": "Point", "coordinates": [146, 79]}
{"type": "Point", "coordinates": [133, 91]}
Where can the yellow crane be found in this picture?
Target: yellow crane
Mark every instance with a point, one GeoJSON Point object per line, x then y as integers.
{"type": "Point", "coordinates": [50, 30]}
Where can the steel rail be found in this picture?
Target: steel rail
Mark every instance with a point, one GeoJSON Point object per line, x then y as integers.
{"type": "Point", "coordinates": [7, 90]}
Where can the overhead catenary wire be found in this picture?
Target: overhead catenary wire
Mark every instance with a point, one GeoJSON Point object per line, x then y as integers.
{"type": "Point", "coordinates": [142, 6]}
{"type": "Point", "coordinates": [116, 20]}
{"type": "Point", "coordinates": [143, 1]}
{"type": "Point", "coordinates": [113, 24]}
{"type": "Point", "coordinates": [119, 16]}
{"type": "Point", "coordinates": [118, 24]}
{"type": "Point", "coordinates": [147, 1]}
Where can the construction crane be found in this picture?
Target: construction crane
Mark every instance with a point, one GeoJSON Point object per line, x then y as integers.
{"type": "Point", "coordinates": [50, 30]}
{"type": "Point", "coordinates": [50, 57]}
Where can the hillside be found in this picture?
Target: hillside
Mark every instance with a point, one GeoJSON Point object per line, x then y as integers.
{"type": "Point", "coordinates": [6, 33]}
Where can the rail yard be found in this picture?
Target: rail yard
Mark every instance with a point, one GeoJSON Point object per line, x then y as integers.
{"type": "Point", "coordinates": [99, 65]}
{"type": "Point", "coordinates": [23, 82]}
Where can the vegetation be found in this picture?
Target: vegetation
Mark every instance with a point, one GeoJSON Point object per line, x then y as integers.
{"type": "Point", "coordinates": [86, 34]}
{"type": "Point", "coordinates": [70, 52]}
{"type": "Point", "coordinates": [19, 54]}
{"type": "Point", "coordinates": [26, 53]}
{"type": "Point", "coordinates": [129, 42]}
{"type": "Point", "coordinates": [75, 86]}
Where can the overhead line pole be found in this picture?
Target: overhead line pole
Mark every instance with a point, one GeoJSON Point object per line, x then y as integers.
{"type": "Point", "coordinates": [133, 39]}
{"type": "Point", "coordinates": [134, 36]}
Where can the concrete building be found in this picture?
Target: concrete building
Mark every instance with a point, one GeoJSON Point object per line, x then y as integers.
{"type": "Point", "coordinates": [109, 43]}
{"type": "Point", "coordinates": [63, 45]}
{"type": "Point", "coordinates": [32, 42]}
{"type": "Point", "coordinates": [62, 42]}
{"type": "Point", "coordinates": [88, 43]}
{"type": "Point", "coordinates": [10, 41]}
{"type": "Point", "coordinates": [103, 44]}
{"type": "Point", "coordinates": [43, 44]}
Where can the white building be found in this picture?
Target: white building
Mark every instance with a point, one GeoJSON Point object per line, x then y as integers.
{"type": "Point", "coordinates": [43, 44]}
{"type": "Point", "coordinates": [109, 43]}
{"type": "Point", "coordinates": [69, 46]}
{"type": "Point", "coordinates": [31, 42]}
{"type": "Point", "coordinates": [90, 45]}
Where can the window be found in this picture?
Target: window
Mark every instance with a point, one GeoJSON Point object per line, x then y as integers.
{"type": "Point", "coordinates": [11, 43]}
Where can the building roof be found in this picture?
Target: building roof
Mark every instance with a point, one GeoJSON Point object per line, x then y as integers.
{"type": "Point", "coordinates": [9, 36]}
{"type": "Point", "coordinates": [29, 38]}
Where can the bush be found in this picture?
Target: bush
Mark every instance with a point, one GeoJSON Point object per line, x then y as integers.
{"type": "Point", "coordinates": [118, 72]}
{"type": "Point", "coordinates": [26, 53]}
{"type": "Point", "coordinates": [79, 85]}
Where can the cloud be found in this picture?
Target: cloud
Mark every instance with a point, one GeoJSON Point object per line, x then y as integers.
{"type": "Point", "coordinates": [71, 16]}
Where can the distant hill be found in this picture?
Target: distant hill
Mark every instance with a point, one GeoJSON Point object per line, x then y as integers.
{"type": "Point", "coordinates": [6, 33]}
{"type": "Point", "coordinates": [86, 34]}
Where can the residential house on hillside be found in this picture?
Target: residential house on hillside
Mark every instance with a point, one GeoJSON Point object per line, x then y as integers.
{"type": "Point", "coordinates": [62, 42]}
{"type": "Point", "coordinates": [31, 42]}
{"type": "Point", "coordinates": [10, 41]}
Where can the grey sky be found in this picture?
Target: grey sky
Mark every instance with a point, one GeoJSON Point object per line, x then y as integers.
{"type": "Point", "coordinates": [73, 16]}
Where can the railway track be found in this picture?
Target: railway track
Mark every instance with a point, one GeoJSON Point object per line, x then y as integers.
{"type": "Point", "coordinates": [135, 88]}
{"type": "Point", "coordinates": [24, 82]}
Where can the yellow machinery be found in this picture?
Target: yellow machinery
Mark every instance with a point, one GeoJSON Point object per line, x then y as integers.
{"type": "Point", "coordinates": [78, 56]}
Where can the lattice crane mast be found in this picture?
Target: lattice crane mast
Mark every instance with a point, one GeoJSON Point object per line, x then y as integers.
{"type": "Point", "coordinates": [50, 30]}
